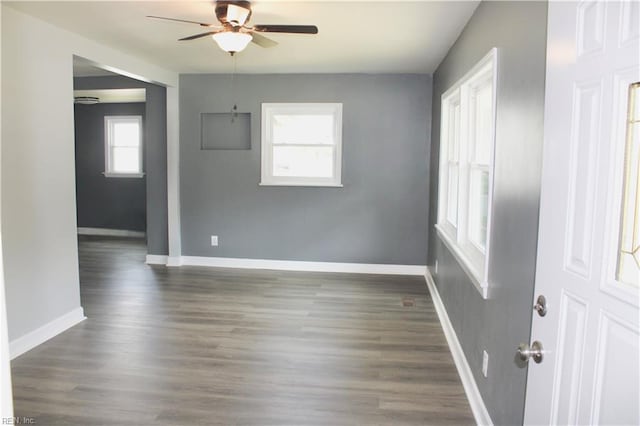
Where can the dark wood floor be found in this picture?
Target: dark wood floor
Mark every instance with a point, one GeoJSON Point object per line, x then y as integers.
{"type": "Point", "coordinates": [203, 346]}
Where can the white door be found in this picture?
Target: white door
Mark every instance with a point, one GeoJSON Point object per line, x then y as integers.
{"type": "Point", "coordinates": [589, 221]}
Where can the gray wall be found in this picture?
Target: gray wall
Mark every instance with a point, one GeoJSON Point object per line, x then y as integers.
{"type": "Point", "coordinates": [155, 156]}
{"type": "Point", "coordinates": [102, 202]}
{"type": "Point", "coordinates": [380, 216]}
{"type": "Point", "coordinates": [497, 325]}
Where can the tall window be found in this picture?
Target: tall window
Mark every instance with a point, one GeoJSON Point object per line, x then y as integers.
{"type": "Point", "coordinates": [123, 146]}
{"type": "Point", "coordinates": [628, 270]}
{"type": "Point", "coordinates": [467, 139]}
{"type": "Point", "coordinates": [302, 144]}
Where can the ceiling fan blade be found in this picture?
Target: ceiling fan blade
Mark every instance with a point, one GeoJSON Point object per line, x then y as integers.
{"type": "Point", "coordinates": [202, 24]}
{"type": "Point", "coordinates": [263, 41]}
{"type": "Point", "coordinates": [193, 37]}
{"type": "Point", "coordinates": [291, 29]}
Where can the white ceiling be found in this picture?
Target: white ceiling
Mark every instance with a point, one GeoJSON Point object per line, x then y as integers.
{"type": "Point", "coordinates": [354, 36]}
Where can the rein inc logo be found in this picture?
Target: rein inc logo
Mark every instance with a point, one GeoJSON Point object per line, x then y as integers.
{"type": "Point", "coordinates": [18, 421]}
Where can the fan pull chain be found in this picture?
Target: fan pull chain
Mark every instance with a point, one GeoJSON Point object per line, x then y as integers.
{"type": "Point", "coordinates": [234, 109]}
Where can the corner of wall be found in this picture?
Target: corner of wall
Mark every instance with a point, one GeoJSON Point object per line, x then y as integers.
{"type": "Point", "coordinates": [40, 335]}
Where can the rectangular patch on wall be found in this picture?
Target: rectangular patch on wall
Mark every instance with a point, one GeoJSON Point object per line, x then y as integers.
{"type": "Point", "coordinates": [225, 131]}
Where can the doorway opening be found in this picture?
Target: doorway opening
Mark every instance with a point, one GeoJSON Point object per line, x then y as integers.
{"type": "Point", "coordinates": [120, 161]}
{"type": "Point", "coordinates": [111, 193]}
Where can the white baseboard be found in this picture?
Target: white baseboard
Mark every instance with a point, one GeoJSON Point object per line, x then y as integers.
{"type": "Point", "coordinates": [174, 261]}
{"type": "Point", "coordinates": [464, 370]}
{"type": "Point", "coordinates": [156, 259]}
{"type": "Point", "coordinates": [40, 335]}
{"type": "Point", "coordinates": [293, 265]}
{"type": "Point", "coordinates": [110, 232]}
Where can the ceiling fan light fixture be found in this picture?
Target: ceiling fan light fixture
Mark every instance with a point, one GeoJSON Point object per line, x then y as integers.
{"type": "Point", "coordinates": [86, 100]}
{"type": "Point", "coordinates": [232, 42]}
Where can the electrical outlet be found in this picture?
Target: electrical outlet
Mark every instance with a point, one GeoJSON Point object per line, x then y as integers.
{"type": "Point", "coordinates": [214, 240]}
{"type": "Point", "coordinates": [436, 267]}
{"type": "Point", "coordinates": [485, 363]}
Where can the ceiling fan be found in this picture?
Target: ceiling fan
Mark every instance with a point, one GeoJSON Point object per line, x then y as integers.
{"type": "Point", "coordinates": [235, 33]}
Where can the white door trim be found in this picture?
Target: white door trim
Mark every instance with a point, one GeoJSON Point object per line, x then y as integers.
{"type": "Point", "coordinates": [173, 171]}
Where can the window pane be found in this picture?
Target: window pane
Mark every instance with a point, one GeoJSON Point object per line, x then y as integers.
{"type": "Point", "coordinates": [636, 96]}
{"type": "Point", "coordinates": [125, 160]}
{"type": "Point", "coordinates": [452, 196]}
{"type": "Point", "coordinates": [454, 132]}
{"type": "Point", "coordinates": [314, 129]}
{"type": "Point", "coordinates": [125, 134]}
{"type": "Point", "coordinates": [481, 124]}
{"type": "Point", "coordinates": [478, 207]}
{"type": "Point", "coordinates": [303, 161]}
{"type": "Point", "coordinates": [628, 270]}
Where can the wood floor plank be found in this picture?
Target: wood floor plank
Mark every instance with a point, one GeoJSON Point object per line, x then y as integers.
{"type": "Point", "coordinates": [209, 346]}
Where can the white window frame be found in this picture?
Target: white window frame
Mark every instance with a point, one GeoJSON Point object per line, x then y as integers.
{"type": "Point", "coordinates": [109, 120]}
{"type": "Point", "coordinates": [473, 259]}
{"type": "Point", "coordinates": [271, 109]}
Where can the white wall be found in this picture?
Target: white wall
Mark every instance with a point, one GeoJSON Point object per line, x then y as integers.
{"type": "Point", "coordinates": [6, 396]}
{"type": "Point", "coordinates": [38, 208]}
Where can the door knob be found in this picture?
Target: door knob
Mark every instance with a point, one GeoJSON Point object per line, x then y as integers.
{"type": "Point", "coordinates": [535, 351]}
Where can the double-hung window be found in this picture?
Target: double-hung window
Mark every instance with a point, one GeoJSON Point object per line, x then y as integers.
{"type": "Point", "coordinates": [123, 146]}
{"type": "Point", "coordinates": [467, 140]}
{"type": "Point", "coordinates": [301, 144]}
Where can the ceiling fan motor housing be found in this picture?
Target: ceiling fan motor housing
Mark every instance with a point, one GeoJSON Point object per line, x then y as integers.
{"type": "Point", "coordinates": [222, 9]}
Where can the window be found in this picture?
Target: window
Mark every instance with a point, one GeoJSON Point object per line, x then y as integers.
{"type": "Point", "coordinates": [123, 146]}
{"type": "Point", "coordinates": [302, 144]}
{"type": "Point", "coordinates": [467, 139]}
{"type": "Point", "coordinates": [628, 268]}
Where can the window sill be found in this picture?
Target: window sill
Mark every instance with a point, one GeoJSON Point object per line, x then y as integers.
{"type": "Point", "coordinates": [474, 275]}
{"type": "Point", "coordinates": [310, 184]}
{"type": "Point", "coordinates": [122, 175]}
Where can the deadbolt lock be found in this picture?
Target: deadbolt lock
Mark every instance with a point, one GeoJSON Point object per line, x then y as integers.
{"type": "Point", "coordinates": [541, 306]}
